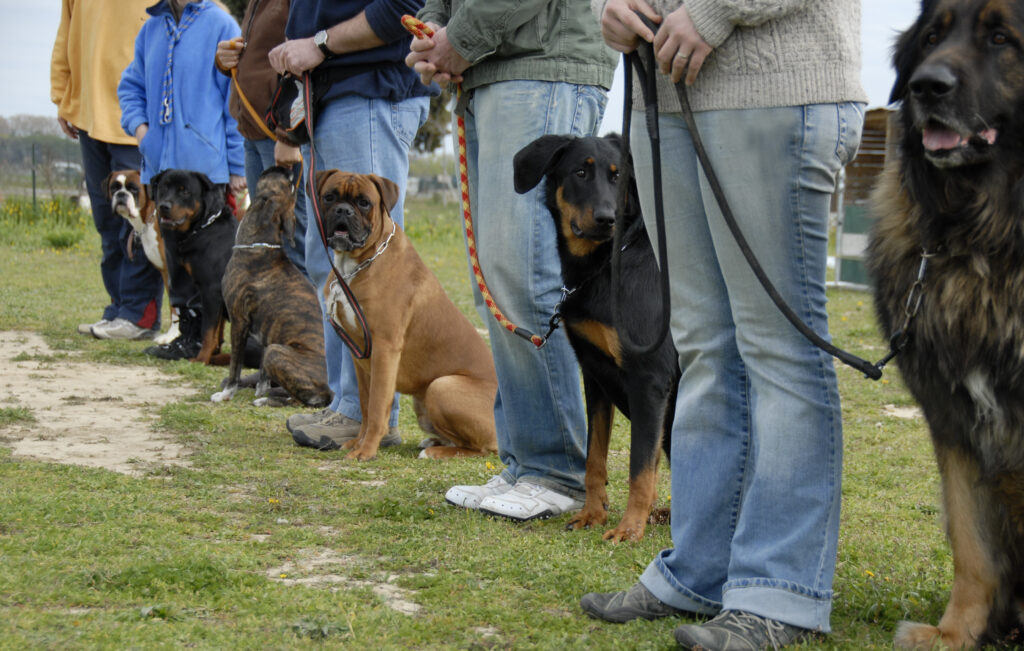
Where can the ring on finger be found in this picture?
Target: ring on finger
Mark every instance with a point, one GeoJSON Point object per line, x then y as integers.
{"type": "Point", "coordinates": [682, 57]}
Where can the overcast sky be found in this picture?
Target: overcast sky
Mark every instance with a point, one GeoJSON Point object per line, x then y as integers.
{"type": "Point", "coordinates": [27, 30]}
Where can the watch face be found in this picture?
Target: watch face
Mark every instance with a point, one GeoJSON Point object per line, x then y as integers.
{"type": "Point", "coordinates": [320, 38]}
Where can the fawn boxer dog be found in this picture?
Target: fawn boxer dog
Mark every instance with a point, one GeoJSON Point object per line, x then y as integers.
{"type": "Point", "coordinates": [423, 345]}
{"type": "Point", "coordinates": [266, 295]}
{"type": "Point", "coordinates": [129, 199]}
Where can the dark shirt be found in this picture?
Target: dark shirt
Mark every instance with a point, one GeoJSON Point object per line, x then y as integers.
{"type": "Point", "coordinates": [388, 77]}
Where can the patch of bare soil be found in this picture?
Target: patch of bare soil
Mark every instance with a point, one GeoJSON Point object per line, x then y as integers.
{"type": "Point", "coordinates": [87, 414]}
{"type": "Point", "coordinates": [325, 568]}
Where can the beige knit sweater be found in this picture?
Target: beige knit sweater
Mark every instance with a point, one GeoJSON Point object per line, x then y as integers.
{"type": "Point", "coordinates": [768, 53]}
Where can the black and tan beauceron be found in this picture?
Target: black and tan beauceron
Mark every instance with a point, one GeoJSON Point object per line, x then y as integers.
{"type": "Point", "coordinates": [953, 200]}
{"type": "Point", "coordinates": [268, 297]}
{"type": "Point", "coordinates": [583, 178]}
{"type": "Point", "coordinates": [422, 345]}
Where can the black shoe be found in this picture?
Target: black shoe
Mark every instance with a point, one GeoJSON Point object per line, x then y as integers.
{"type": "Point", "coordinates": [620, 607]}
{"type": "Point", "coordinates": [180, 348]}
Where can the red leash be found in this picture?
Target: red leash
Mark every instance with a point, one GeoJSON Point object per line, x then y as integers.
{"type": "Point", "coordinates": [419, 29]}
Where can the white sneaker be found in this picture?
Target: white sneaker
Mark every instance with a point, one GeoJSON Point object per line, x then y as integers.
{"type": "Point", "coordinates": [529, 501]}
{"type": "Point", "coordinates": [121, 329]}
{"type": "Point", "coordinates": [86, 328]}
{"type": "Point", "coordinates": [469, 497]}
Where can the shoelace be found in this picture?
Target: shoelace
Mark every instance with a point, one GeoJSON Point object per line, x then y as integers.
{"type": "Point", "coordinates": [753, 626]}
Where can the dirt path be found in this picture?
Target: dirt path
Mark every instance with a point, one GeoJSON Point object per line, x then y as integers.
{"type": "Point", "coordinates": [85, 413]}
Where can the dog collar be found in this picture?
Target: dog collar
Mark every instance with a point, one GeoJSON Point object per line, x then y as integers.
{"type": "Point", "coordinates": [366, 263]}
{"type": "Point", "coordinates": [257, 245]}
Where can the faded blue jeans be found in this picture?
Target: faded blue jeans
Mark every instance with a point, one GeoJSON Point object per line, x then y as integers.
{"type": "Point", "coordinates": [542, 431]}
{"type": "Point", "coordinates": [365, 136]}
{"type": "Point", "coordinates": [259, 155]}
{"type": "Point", "coordinates": [757, 437]}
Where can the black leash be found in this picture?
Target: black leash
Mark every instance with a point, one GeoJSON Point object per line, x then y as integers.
{"type": "Point", "coordinates": [357, 353]}
{"type": "Point", "coordinates": [873, 371]}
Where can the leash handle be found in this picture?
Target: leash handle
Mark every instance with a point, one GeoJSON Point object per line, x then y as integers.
{"type": "Point", "coordinates": [419, 29]}
{"type": "Point", "coordinates": [357, 352]}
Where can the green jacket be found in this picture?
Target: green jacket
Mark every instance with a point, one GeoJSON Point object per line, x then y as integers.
{"type": "Point", "coordinates": [542, 40]}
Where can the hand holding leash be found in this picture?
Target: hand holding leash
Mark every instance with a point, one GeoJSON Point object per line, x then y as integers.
{"type": "Point", "coordinates": [421, 31]}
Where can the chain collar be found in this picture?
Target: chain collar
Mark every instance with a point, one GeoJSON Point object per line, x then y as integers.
{"type": "Point", "coordinates": [366, 263]}
{"type": "Point", "coordinates": [257, 245]}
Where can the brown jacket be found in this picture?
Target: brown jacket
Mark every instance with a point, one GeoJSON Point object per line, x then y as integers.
{"type": "Point", "coordinates": [262, 29]}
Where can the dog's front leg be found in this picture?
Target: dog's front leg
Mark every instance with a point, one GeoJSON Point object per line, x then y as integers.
{"type": "Point", "coordinates": [600, 414]}
{"type": "Point", "coordinates": [376, 407]}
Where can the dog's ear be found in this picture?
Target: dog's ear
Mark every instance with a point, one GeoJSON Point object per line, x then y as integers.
{"type": "Point", "coordinates": [388, 191]}
{"type": "Point", "coordinates": [536, 159]}
{"type": "Point", "coordinates": [906, 52]}
{"type": "Point", "coordinates": [154, 183]}
{"type": "Point", "coordinates": [106, 183]}
{"type": "Point", "coordinates": [321, 179]}
{"type": "Point", "coordinates": [214, 195]}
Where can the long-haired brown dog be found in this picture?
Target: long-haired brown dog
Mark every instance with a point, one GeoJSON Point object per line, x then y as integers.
{"type": "Point", "coordinates": [955, 199]}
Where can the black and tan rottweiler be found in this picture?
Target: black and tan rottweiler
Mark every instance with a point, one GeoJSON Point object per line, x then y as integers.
{"type": "Point", "coordinates": [198, 231]}
{"type": "Point", "coordinates": [952, 204]}
{"type": "Point", "coordinates": [267, 296]}
{"type": "Point", "coordinates": [583, 177]}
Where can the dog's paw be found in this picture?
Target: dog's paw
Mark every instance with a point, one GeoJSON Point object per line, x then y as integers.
{"type": "Point", "coordinates": [361, 454]}
{"type": "Point", "coordinates": [632, 532]}
{"type": "Point", "coordinates": [587, 518]}
{"type": "Point", "coordinates": [223, 396]}
{"type": "Point", "coordinates": [911, 635]}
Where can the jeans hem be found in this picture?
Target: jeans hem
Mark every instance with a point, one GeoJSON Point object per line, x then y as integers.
{"type": "Point", "coordinates": [781, 604]}
{"type": "Point", "coordinates": [658, 580]}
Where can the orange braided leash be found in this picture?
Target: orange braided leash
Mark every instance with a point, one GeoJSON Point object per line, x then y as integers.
{"type": "Point", "coordinates": [419, 29]}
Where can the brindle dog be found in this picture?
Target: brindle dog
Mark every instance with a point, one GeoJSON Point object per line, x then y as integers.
{"type": "Point", "coordinates": [954, 200]}
{"type": "Point", "coordinates": [267, 296]}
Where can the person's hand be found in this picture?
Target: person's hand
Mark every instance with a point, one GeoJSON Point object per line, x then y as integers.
{"type": "Point", "coordinates": [434, 58]}
{"type": "Point", "coordinates": [679, 48]}
{"type": "Point", "coordinates": [236, 184]}
{"type": "Point", "coordinates": [141, 132]}
{"type": "Point", "coordinates": [621, 27]}
{"type": "Point", "coordinates": [296, 56]}
{"type": "Point", "coordinates": [286, 155]}
{"type": "Point", "coordinates": [228, 53]}
{"type": "Point", "coordinates": [70, 130]}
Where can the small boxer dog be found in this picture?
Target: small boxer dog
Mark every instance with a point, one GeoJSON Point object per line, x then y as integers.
{"type": "Point", "coordinates": [266, 295]}
{"type": "Point", "coordinates": [198, 230]}
{"type": "Point", "coordinates": [422, 345]}
{"type": "Point", "coordinates": [129, 199]}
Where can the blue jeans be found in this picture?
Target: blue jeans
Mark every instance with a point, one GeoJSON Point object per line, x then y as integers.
{"type": "Point", "coordinates": [365, 136]}
{"type": "Point", "coordinates": [259, 155]}
{"type": "Point", "coordinates": [135, 287]}
{"type": "Point", "coordinates": [541, 422]}
{"type": "Point", "coordinates": [757, 437]}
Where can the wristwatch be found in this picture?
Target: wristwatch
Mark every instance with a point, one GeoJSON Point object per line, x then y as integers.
{"type": "Point", "coordinates": [320, 39]}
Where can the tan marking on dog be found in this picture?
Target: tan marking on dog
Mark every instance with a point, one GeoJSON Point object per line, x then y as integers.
{"type": "Point", "coordinates": [571, 213]}
{"type": "Point", "coordinates": [602, 336]}
{"type": "Point", "coordinates": [642, 493]}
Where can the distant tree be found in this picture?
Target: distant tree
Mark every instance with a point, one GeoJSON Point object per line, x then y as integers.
{"type": "Point", "coordinates": [5, 127]}
{"type": "Point", "coordinates": [28, 125]}
{"type": "Point", "coordinates": [237, 8]}
{"type": "Point", "coordinates": [438, 124]}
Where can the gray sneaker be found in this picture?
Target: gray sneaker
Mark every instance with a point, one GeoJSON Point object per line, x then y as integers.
{"type": "Point", "coordinates": [332, 432]}
{"type": "Point", "coordinates": [86, 328]}
{"type": "Point", "coordinates": [298, 420]}
{"type": "Point", "coordinates": [735, 630]}
{"type": "Point", "coordinates": [121, 329]}
{"type": "Point", "coordinates": [625, 606]}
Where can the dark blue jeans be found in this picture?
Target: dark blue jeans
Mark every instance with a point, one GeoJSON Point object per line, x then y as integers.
{"type": "Point", "coordinates": [134, 286]}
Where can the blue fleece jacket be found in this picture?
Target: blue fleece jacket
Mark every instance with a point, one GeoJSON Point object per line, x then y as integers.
{"type": "Point", "coordinates": [390, 78]}
{"type": "Point", "coordinates": [173, 86]}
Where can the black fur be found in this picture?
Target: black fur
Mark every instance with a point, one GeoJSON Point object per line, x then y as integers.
{"type": "Point", "coordinates": [583, 178]}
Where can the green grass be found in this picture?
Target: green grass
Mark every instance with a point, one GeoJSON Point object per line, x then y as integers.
{"type": "Point", "coordinates": [220, 554]}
